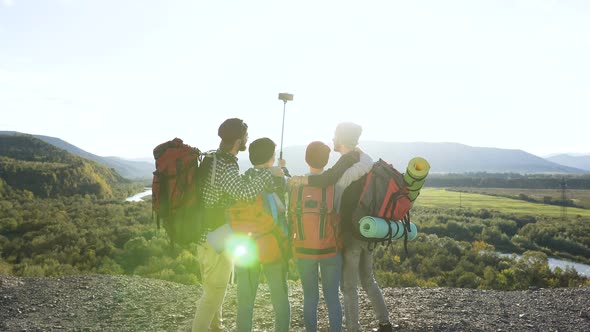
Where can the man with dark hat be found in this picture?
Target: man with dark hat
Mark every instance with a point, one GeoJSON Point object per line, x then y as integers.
{"type": "Point", "coordinates": [221, 187]}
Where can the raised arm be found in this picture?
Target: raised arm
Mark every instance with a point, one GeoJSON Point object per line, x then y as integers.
{"type": "Point", "coordinates": [239, 189]}
{"type": "Point", "coordinates": [332, 175]}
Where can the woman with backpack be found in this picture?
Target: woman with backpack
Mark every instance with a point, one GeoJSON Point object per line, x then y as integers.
{"type": "Point", "coordinates": [315, 234]}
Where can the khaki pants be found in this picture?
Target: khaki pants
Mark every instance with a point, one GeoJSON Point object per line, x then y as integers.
{"type": "Point", "coordinates": [358, 266]}
{"type": "Point", "coordinates": [215, 271]}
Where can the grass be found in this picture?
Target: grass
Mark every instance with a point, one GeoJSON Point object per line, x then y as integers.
{"type": "Point", "coordinates": [580, 197]}
{"type": "Point", "coordinates": [441, 198]}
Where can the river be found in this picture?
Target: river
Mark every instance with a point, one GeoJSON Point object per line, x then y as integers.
{"type": "Point", "coordinates": [138, 197]}
{"type": "Point", "coordinates": [582, 269]}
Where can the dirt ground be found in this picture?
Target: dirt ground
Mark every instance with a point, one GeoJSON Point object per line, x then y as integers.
{"type": "Point", "coordinates": [118, 303]}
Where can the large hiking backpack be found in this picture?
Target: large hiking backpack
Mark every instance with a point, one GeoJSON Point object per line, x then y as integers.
{"type": "Point", "coordinates": [255, 221]}
{"type": "Point", "coordinates": [175, 193]}
{"type": "Point", "coordinates": [314, 223]}
{"type": "Point", "coordinates": [385, 196]}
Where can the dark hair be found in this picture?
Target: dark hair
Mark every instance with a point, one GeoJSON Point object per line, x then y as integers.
{"type": "Point", "coordinates": [230, 131]}
{"type": "Point", "coordinates": [317, 154]}
{"type": "Point", "coordinates": [261, 150]}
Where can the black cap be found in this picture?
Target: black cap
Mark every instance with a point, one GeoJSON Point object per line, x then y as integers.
{"type": "Point", "coordinates": [232, 129]}
{"type": "Point", "coordinates": [261, 150]}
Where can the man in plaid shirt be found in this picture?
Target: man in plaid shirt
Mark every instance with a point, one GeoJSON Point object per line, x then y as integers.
{"type": "Point", "coordinates": [222, 186]}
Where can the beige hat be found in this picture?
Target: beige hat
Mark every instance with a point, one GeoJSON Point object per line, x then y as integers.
{"type": "Point", "coordinates": [348, 133]}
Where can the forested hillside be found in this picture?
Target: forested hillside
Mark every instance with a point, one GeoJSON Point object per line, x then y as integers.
{"type": "Point", "coordinates": [86, 234]}
{"type": "Point", "coordinates": [28, 163]}
{"type": "Point", "coordinates": [61, 215]}
{"type": "Point", "coordinates": [130, 169]}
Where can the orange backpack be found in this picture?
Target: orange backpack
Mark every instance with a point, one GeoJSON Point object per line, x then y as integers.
{"type": "Point", "coordinates": [252, 220]}
{"type": "Point", "coordinates": [175, 194]}
{"type": "Point", "coordinates": [314, 223]}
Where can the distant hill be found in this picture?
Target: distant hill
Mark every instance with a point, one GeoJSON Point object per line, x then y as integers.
{"type": "Point", "coordinates": [131, 169]}
{"type": "Point", "coordinates": [581, 162]}
{"type": "Point", "coordinates": [28, 163]}
{"type": "Point", "coordinates": [443, 157]}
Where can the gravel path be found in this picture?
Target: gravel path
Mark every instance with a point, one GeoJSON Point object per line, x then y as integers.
{"type": "Point", "coordinates": [119, 303]}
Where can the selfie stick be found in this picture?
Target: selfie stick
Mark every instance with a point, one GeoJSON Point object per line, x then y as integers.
{"type": "Point", "coordinates": [285, 97]}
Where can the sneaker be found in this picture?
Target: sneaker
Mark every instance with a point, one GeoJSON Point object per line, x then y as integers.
{"type": "Point", "coordinates": [385, 328]}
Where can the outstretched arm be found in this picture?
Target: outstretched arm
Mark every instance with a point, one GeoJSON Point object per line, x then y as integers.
{"type": "Point", "coordinates": [238, 188]}
{"type": "Point", "coordinates": [332, 175]}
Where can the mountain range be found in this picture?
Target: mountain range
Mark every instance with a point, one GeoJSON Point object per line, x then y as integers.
{"type": "Point", "coordinates": [443, 158]}
{"type": "Point", "coordinates": [581, 162]}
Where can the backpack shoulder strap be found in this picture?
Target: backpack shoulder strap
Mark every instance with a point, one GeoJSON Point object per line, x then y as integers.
{"type": "Point", "coordinates": [323, 213]}
{"type": "Point", "coordinates": [213, 169]}
{"type": "Point", "coordinates": [299, 212]}
{"type": "Point", "coordinates": [270, 201]}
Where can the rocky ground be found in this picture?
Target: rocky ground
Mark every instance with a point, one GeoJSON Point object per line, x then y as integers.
{"type": "Point", "coordinates": [118, 303]}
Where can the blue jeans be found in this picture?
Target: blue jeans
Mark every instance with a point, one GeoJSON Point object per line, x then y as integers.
{"type": "Point", "coordinates": [331, 270]}
{"type": "Point", "coordinates": [248, 280]}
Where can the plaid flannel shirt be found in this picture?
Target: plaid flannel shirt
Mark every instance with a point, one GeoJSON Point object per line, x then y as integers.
{"type": "Point", "coordinates": [275, 185]}
{"type": "Point", "coordinates": [229, 185]}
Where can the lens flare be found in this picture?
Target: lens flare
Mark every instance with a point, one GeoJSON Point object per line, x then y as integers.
{"type": "Point", "coordinates": [242, 250]}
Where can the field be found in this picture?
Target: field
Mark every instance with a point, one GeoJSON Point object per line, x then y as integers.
{"type": "Point", "coordinates": [442, 198]}
{"type": "Point", "coordinates": [581, 198]}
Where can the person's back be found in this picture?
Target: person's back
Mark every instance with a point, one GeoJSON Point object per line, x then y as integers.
{"type": "Point", "coordinates": [316, 247]}
{"type": "Point", "coordinates": [358, 259]}
{"type": "Point", "coordinates": [222, 186]}
{"type": "Point", "coordinates": [350, 197]}
{"type": "Point", "coordinates": [262, 157]}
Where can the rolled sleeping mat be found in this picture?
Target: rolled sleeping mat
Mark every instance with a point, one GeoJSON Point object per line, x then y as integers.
{"type": "Point", "coordinates": [377, 228]}
{"type": "Point", "coordinates": [413, 194]}
{"type": "Point", "coordinates": [417, 171]}
{"type": "Point", "coordinates": [416, 186]}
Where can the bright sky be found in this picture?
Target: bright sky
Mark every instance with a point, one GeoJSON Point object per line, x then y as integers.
{"type": "Point", "coordinates": [118, 77]}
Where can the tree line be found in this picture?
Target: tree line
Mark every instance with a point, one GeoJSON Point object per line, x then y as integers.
{"type": "Point", "coordinates": [91, 234]}
{"type": "Point", "coordinates": [508, 180]}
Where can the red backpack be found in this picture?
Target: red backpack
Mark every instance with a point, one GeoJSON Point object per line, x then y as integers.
{"type": "Point", "coordinates": [384, 195]}
{"type": "Point", "coordinates": [252, 220]}
{"type": "Point", "coordinates": [175, 194]}
{"type": "Point", "coordinates": [314, 223]}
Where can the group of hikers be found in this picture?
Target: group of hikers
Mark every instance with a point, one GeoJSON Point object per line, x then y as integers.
{"type": "Point", "coordinates": [338, 268]}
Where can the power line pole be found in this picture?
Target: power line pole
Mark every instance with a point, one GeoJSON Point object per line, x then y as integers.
{"type": "Point", "coordinates": [563, 199]}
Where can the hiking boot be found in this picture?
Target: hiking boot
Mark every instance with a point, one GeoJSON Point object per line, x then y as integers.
{"type": "Point", "coordinates": [385, 328]}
